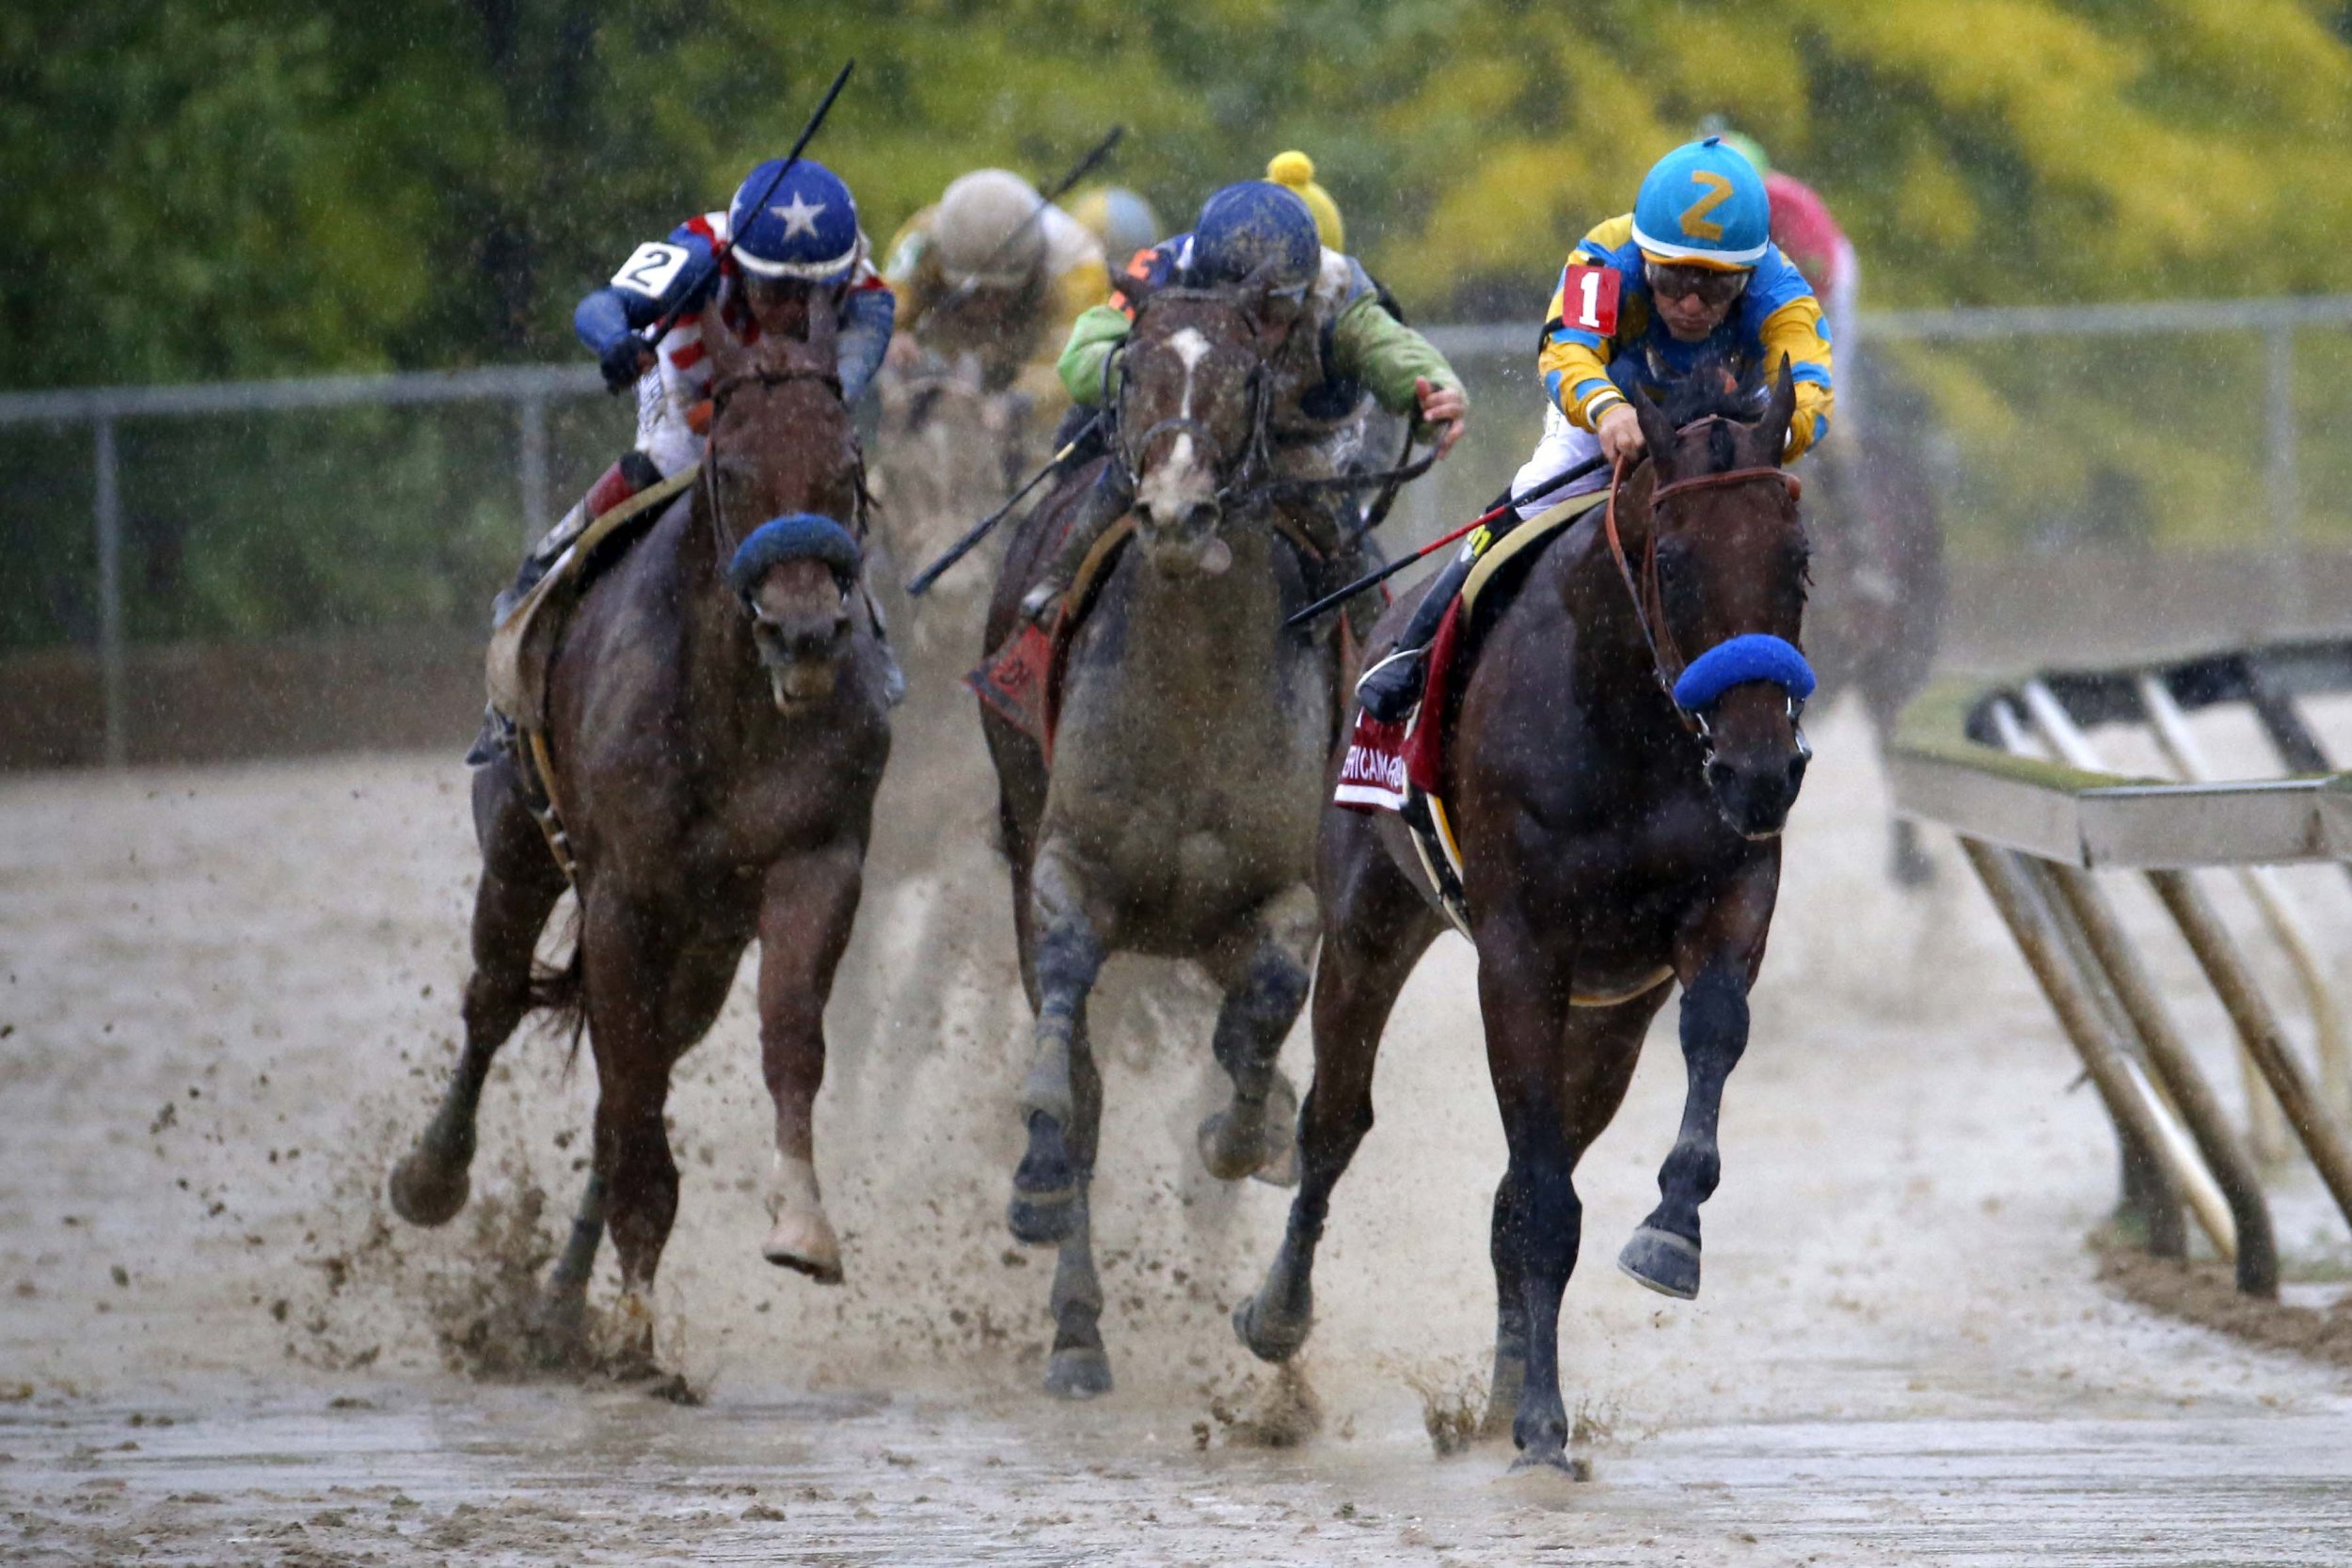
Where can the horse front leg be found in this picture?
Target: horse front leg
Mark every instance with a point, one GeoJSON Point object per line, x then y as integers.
{"type": "Point", "coordinates": [519, 886]}
{"type": "Point", "coordinates": [1716, 960]}
{"type": "Point", "coordinates": [809, 904]}
{"type": "Point", "coordinates": [1067, 956]}
{"type": "Point", "coordinates": [1265, 981]}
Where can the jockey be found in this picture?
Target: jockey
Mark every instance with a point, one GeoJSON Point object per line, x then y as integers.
{"type": "Point", "coordinates": [995, 271]}
{"type": "Point", "coordinates": [1120, 220]}
{"type": "Point", "coordinates": [804, 241]}
{"type": "Point", "coordinates": [1334, 342]}
{"type": "Point", "coordinates": [1690, 275]}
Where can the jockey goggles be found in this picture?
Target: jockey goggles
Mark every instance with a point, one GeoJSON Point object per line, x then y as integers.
{"type": "Point", "coordinates": [1714, 286]}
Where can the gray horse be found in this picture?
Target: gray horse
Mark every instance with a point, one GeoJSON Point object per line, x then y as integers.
{"type": "Point", "coordinates": [1177, 815]}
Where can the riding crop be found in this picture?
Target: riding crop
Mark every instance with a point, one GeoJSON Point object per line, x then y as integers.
{"type": "Point", "coordinates": [719, 252]}
{"type": "Point", "coordinates": [1490, 514]}
{"type": "Point", "coordinates": [979, 530]}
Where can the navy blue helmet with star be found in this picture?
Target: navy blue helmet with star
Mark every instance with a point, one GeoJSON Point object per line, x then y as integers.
{"type": "Point", "coordinates": [805, 229]}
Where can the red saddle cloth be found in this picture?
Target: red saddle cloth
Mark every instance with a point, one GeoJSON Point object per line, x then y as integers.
{"type": "Point", "coordinates": [1386, 762]}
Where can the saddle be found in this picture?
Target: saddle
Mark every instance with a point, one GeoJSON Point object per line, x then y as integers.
{"type": "Point", "coordinates": [1398, 766]}
{"type": "Point", "coordinates": [523, 645]}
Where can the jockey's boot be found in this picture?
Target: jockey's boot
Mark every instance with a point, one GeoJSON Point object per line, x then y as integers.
{"type": "Point", "coordinates": [1104, 505]}
{"type": "Point", "coordinates": [634, 472]}
{"type": "Point", "coordinates": [1389, 689]}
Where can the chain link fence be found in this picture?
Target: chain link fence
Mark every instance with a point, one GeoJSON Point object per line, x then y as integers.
{"type": "Point", "coordinates": [208, 570]}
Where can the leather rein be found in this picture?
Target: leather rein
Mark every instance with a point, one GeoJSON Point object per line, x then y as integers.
{"type": "Point", "coordinates": [1648, 603]}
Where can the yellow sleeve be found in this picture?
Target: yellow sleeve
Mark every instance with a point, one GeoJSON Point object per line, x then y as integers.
{"type": "Point", "coordinates": [1794, 330]}
{"type": "Point", "coordinates": [1573, 364]}
{"type": "Point", "coordinates": [909, 270]}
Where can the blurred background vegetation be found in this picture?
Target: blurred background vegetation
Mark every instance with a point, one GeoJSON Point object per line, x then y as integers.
{"type": "Point", "coordinates": [230, 189]}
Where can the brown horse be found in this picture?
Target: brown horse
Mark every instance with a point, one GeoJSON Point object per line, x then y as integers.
{"type": "Point", "coordinates": [1613, 840]}
{"type": "Point", "coordinates": [715, 746]}
{"type": "Point", "coordinates": [1178, 815]}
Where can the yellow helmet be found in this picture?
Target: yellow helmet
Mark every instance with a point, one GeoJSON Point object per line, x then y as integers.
{"type": "Point", "coordinates": [1296, 172]}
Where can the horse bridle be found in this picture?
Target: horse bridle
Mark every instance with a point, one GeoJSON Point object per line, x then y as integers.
{"type": "Point", "coordinates": [724, 387]}
{"type": "Point", "coordinates": [1233, 490]}
{"type": "Point", "coordinates": [1648, 602]}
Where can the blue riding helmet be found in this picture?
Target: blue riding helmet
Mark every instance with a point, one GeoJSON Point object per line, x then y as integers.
{"type": "Point", "coordinates": [1247, 226]}
{"type": "Point", "coordinates": [805, 229]}
{"type": "Point", "coordinates": [1704, 205]}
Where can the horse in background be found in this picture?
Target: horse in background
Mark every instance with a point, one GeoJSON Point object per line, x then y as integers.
{"type": "Point", "coordinates": [1876, 616]}
{"type": "Point", "coordinates": [716, 728]}
{"type": "Point", "coordinates": [1618, 813]}
{"type": "Point", "coordinates": [947, 451]}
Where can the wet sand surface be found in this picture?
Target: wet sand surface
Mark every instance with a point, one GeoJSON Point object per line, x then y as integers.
{"type": "Point", "coordinates": [230, 998]}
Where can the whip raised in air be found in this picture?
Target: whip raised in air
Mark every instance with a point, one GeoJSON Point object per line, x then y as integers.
{"type": "Point", "coordinates": [719, 252]}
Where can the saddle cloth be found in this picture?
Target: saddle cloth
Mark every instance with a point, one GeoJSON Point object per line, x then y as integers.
{"type": "Point", "coordinates": [521, 647]}
{"type": "Point", "coordinates": [1398, 766]}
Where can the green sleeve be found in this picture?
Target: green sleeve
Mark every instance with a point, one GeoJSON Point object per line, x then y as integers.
{"type": "Point", "coordinates": [1373, 347]}
{"type": "Point", "coordinates": [1092, 337]}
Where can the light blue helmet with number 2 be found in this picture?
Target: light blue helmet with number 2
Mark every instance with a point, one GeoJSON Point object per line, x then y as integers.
{"type": "Point", "coordinates": [1704, 205]}
{"type": "Point", "coordinates": [804, 228]}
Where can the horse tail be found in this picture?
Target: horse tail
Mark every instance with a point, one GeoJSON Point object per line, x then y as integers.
{"type": "Point", "coordinates": [562, 990]}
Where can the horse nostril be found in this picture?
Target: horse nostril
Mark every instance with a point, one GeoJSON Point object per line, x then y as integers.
{"type": "Point", "coordinates": [1721, 775]}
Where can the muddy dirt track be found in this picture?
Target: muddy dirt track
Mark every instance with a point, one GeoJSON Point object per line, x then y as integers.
{"type": "Point", "coordinates": [229, 994]}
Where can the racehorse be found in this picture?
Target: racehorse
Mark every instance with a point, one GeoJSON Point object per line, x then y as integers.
{"type": "Point", "coordinates": [1177, 815]}
{"type": "Point", "coordinates": [1613, 838]}
{"type": "Point", "coordinates": [1877, 610]}
{"type": "Point", "coordinates": [716, 730]}
{"type": "Point", "coordinates": [946, 451]}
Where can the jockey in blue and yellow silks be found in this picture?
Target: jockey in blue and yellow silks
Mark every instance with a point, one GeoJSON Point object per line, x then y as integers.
{"type": "Point", "coordinates": [1690, 276]}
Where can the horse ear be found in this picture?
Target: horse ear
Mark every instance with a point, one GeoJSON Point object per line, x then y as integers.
{"type": "Point", "coordinates": [1772, 431]}
{"type": "Point", "coordinates": [1658, 431]}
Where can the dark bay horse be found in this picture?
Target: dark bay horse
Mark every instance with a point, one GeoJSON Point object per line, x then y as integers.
{"type": "Point", "coordinates": [1614, 839]}
{"type": "Point", "coordinates": [716, 745]}
{"type": "Point", "coordinates": [1178, 815]}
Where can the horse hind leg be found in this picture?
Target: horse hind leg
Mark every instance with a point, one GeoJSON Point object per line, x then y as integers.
{"type": "Point", "coordinates": [1256, 1134]}
{"type": "Point", "coordinates": [1375, 938]}
{"type": "Point", "coordinates": [521, 885]}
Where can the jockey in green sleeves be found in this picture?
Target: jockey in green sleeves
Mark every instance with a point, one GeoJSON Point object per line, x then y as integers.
{"type": "Point", "coordinates": [1335, 342]}
{"type": "Point", "coordinates": [1690, 277]}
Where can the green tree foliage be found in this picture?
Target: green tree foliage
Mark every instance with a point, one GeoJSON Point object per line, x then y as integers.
{"type": "Point", "coordinates": [206, 188]}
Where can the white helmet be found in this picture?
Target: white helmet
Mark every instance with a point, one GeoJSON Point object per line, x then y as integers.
{"type": "Point", "coordinates": [986, 231]}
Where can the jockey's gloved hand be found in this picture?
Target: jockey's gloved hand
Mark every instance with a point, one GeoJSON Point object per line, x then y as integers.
{"type": "Point", "coordinates": [624, 361]}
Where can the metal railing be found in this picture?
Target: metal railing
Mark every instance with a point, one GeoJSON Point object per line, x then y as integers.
{"type": "Point", "coordinates": [530, 388]}
{"type": "Point", "coordinates": [2012, 768]}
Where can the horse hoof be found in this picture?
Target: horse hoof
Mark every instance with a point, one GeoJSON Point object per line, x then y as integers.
{"type": "Point", "coordinates": [1228, 1152]}
{"type": "Point", "coordinates": [1267, 1336]}
{"type": "Point", "coordinates": [1281, 1165]}
{"type": "Point", "coordinates": [559, 1329]}
{"type": "Point", "coordinates": [426, 1192]}
{"type": "Point", "coordinates": [1042, 1219]}
{"type": "Point", "coordinates": [1662, 1261]}
{"type": "Point", "coordinates": [1080, 1372]}
{"type": "Point", "coordinates": [1552, 1461]}
{"type": "Point", "coordinates": [804, 1241]}
{"type": "Point", "coordinates": [1502, 1396]}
